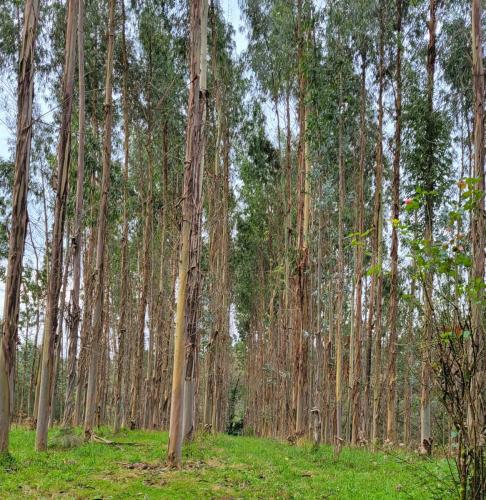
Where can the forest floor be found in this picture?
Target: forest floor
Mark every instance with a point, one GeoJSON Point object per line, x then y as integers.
{"type": "Point", "coordinates": [214, 467]}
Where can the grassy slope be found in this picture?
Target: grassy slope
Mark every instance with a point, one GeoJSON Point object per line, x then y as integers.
{"type": "Point", "coordinates": [215, 467]}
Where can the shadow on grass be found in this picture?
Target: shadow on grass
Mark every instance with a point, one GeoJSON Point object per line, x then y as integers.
{"type": "Point", "coordinates": [8, 463]}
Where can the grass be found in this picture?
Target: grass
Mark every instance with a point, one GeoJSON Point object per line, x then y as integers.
{"type": "Point", "coordinates": [214, 467]}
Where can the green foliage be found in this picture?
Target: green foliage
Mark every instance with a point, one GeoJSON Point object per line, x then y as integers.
{"type": "Point", "coordinates": [10, 15]}
{"type": "Point", "coordinates": [455, 42]}
{"type": "Point", "coordinates": [449, 255]}
{"type": "Point", "coordinates": [252, 257]}
{"type": "Point", "coordinates": [426, 145]}
{"type": "Point", "coordinates": [6, 181]}
{"type": "Point", "coordinates": [7, 463]}
{"type": "Point", "coordinates": [272, 47]}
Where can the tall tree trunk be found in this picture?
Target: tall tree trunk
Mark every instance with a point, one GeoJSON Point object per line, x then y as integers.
{"type": "Point", "coordinates": [321, 365]}
{"type": "Point", "coordinates": [97, 330]}
{"type": "Point", "coordinates": [33, 366]}
{"type": "Point", "coordinates": [169, 343]}
{"type": "Point", "coordinates": [194, 276]}
{"type": "Point", "coordinates": [162, 333]}
{"type": "Point", "coordinates": [25, 94]}
{"type": "Point", "coordinates": [214, 214]}
{"type": "Point", "coordinates": [54, 284]}
{"type": "Point", "coordinates": [136, 393]}
{"type": "Point", "coordinates": [303, 216]}
{"type": "Point", "coordinates": [122, 326]}
{"type": "Point", "coordinates": [216, 354]}
{"type": "Point", "coordinates": [407, 396]}
{"type": "Point", "coordinates": [426, 372]}
{"type": "Point", "coordinates": [356, 425]}
{"type": "Point", "coordinates": [288, 332]}
{"type": "Point", "coordinates": [104, 349]}
{"type": "Point", "coordinates": [221, 392]}
{"type": "Point", "coordinates": [375, 320]}
{"type": "Point", "coordinates": [20, 411]}
{"type": "Point", "coordinates": [477, 405]}
{"type": "Point", "coordinates": [77, 242]}
{"type": "Point", "coordinates": [192, 179]}
{"type": "Point", "coordinates": [59, 335]}
{"type": "Point", "coordinates": [340, 285]}
{"type": "Point", "coordinates": [82, 364]}
{"type": "Point", "coordinates": [391, 377]}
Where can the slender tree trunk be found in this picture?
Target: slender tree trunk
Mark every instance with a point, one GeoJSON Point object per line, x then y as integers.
{"type": "Point", "coordinates": [194, 276]}
{"type": "Point", "coordinates": [77, 242]}
{"type": "Point", "coordinates": [340, 285]}
{"type": "Point", "coordinates": [303, 216]}
{"type": "Point", "coordinates": [25, 94]}
{"type": "Point", "coordinates": [391, 397]}
{"type": "Point", "coordinates": [104, 348]}
{"type": "Point", "coordinates": [122, 326]}
{"type": "Point", "coordinates": [288, 326]}
{"type": "Point", "coordinates": [21, 413]}
{"type": "Point", "coordinates": [214, 214]}
{"type": "Point", "coordinates": [82, 364]}
{"type": "Point", "coordinates": [320, 391]}
{"type": "Point", "coordinates": [54, 284]}
{"type": "Point", "coordinates": [222, 379]}
{"type": "Point", "coordinates": [477, 405]}
{"type": "Point", "coordinates": [33, 368]}
{"type": "Point", "coordinates": [426, 372]}
{"type": "Point", "coordinates": [407, 397]}
{"type": "Point", "coordinates": [356, 425]}
{"type": "Point", "coordinates": [192, 179]}
{"type": "Point", "coordinates": [97, 330]}
{"type": "Point", "coordinates": [169, 345]}
{"type": "Point", "coordinates": [375, 320]}
{"type": "Point", "coordinates": [162, 331]}
{"type": "Point", "coordinates": [136, 395]}
{"type": "Point", "coordinates": [215, 401]}
{"type": "Point", "coordinates": [59, 334]}
{"type": "Point", "coordinates": [139, 410]}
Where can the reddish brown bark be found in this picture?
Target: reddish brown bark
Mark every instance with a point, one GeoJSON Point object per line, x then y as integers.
{"type": "Point", "coordinates": [25, 94]}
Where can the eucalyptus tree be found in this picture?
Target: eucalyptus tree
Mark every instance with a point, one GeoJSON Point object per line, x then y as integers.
{"type": "Point", "coordinates": [25, 92]}
{"type": "Point", "coordinates": [301, 281]}
{"type": "Point", "coordinates": [55, 273]}
{"type": "Point", "coordinates": [425, 413]}
{"type": "Point", "coordinates": [427, 161]}
{"type": "Point", "coordinates": [192, 307]}
{"type": "Point", "coordinates": [101, 231]}
{"type": "Point", "coordinates": [150, 43]}
{"type": "Point", "coordinates": [361, 33]}
{"type": "Point", "coordinates": [226, 85]}
{"type": "Point", "coordinates": [334, 89]}
{"type": "Point", "coordinates": [394, 290]}
{"type": "Point", "coordinates": [170, 99]}
{"type": "Point", "coordinates": [189, 238]}
{"type": "Point", "coordinates": [253, 257]}
{"type": "Point", "coordinates": [375, 325]}
{"type": "Point", "coordinates": [74, 309]}
{"type": "Point", "coordinates": [476, 407]}
{"type": "Point", "coordinates": [276, 30]}
{"type": "Point", "coordinates": [121, 377]}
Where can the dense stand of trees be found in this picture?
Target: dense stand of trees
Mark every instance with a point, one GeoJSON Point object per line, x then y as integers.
{"type": "Point", "coordinates": [284, 239]}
